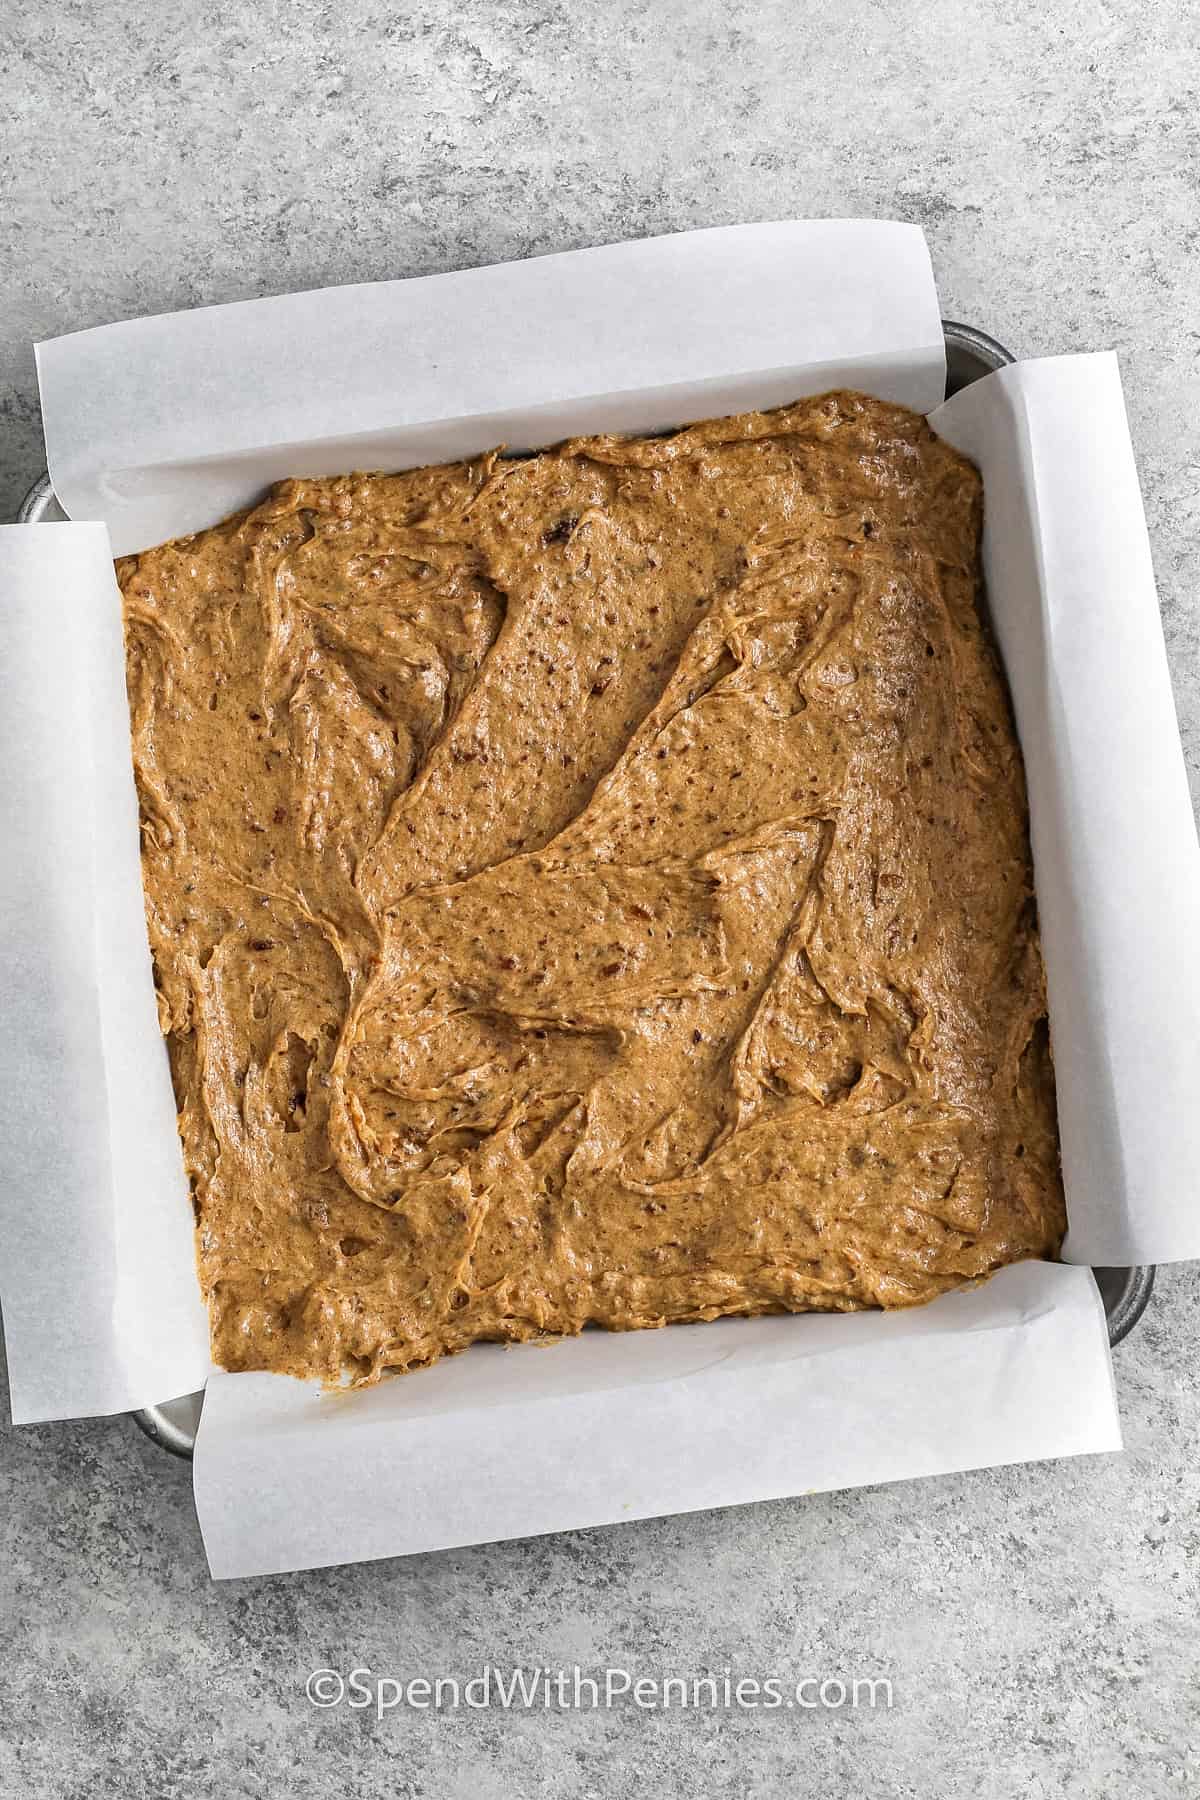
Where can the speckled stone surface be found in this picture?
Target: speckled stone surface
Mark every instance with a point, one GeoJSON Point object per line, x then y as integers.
{"type": "Point", "coordinates": [1039, 1625]}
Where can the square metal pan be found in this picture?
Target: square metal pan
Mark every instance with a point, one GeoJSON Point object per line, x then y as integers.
{"type": "Point", "coordinates": [1126, 1292]}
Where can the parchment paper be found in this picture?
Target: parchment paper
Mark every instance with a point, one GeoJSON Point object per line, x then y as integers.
{"type": "Point", "coordinates": [506, 1443]}
{"type": "Point", "coordinates": [101, 1308]}
{"type": "Point", "coordinates": [1116, 862]}
{"type": "Point", "coordinates": [162, 425]}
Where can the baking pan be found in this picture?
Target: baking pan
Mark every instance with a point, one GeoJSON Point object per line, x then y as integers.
{"type": "Point", "coordinates": [1126, 1292]}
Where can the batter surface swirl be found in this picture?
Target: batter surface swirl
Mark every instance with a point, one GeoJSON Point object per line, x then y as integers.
{"type": "Point", "coordinates": [592, 887]}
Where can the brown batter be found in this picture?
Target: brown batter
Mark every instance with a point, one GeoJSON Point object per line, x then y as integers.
{"type": "Point", "coordinates": [592, 888]}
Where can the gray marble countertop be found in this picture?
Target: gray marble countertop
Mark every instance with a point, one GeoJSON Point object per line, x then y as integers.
{"type": "Point", "coordinates": [1039, 1624]}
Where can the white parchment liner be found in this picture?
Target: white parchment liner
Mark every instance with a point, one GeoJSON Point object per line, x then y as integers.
{"type": "Point", "coordinates": [161, 426]}
{"type": "Point", "coordinates": [101, 1308]}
